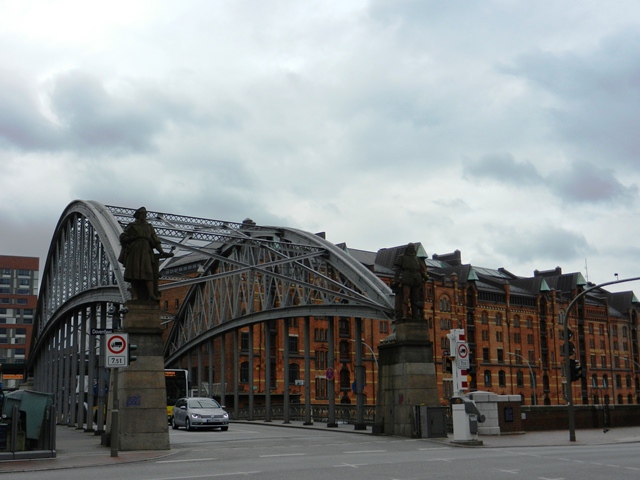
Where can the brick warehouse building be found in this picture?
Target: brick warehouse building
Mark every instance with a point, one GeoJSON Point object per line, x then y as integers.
{"type": "Point", "coordinates": [514, 326]}
{"type": "Point", "coordinates": [18, 298]}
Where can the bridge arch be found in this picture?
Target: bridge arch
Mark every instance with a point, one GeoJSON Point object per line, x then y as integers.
{"type": "Point", "coordinates": [250, 275]}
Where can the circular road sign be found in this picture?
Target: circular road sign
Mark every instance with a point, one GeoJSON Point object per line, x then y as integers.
{"type": "Point", "coordinates": [117, 344]}
{"type": "Point", "coordinates": [463, 351]}
{"type": "Point", "coordinates": [330, 374]}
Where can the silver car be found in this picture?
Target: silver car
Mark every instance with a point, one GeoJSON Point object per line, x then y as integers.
{"type": "Point", "coordinates": [197, 412]}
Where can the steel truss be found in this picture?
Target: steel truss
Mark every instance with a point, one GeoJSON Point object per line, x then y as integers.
{"type": "Point", "coordinates": [251, 274]}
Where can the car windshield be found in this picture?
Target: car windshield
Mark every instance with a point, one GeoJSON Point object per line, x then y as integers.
{"type": "Point", "coordinates": [203, 403]}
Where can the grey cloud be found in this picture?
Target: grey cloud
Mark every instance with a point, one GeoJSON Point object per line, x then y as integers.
{"type": "Point", "coordinates": [22, 124]}
{"type": "Point", "coordinates": [89, 118]}
{"type": "Point", "coordinates": [547, 242]}
{"type": "Point", "coordinates": [503, 168]}
{"type": "Point", "coordinates": [595, 96]}
{"type": "Point", "coordinates": [95, 120]}
{"type": "Point", "coordinates": [584, 182]}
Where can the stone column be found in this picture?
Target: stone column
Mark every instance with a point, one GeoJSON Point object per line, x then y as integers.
{"type": "Point", "coordinates": [142, 398]}
{"type": "Point", "coordinates": [407, 378]}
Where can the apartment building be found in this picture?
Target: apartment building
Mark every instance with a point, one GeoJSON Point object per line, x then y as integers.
{"type": "Point", "coordinates": [18, 298]}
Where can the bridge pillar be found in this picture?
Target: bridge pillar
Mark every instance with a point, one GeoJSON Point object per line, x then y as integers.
{"type": "Point", "coordinates": [141, 386]}
{"type": "Point", "coordinates": [407, 378]}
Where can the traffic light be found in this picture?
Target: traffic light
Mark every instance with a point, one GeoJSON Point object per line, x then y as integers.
{"type": "Point", "coordinates": [575, 370]}
{"type": "Point", "coordinates": [132, 348]}
{"type": "Point", "coordinates": [448, 365]}
{"type": "Point", "coordinates": [572, 349]}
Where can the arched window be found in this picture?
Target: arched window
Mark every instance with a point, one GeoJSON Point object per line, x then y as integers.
{"type": "Point", "coordinates": [244, 372]}
{"type": "Point", "coordinates": [594, 381]}
{"type": "Point", "coordinates": [618, 382]}
{"type": "Point", "coordinates": [445, 304]}
{"type": "Point", "coordinates": [596, 399]}
{"type": "Point", "coordinates": [294, 373]}
{"type": "Point", "coordinates": [484, 318]}
{"type": "Point", "coordinates": [629, 399]}
{"type": "Point", "coordinates": [487, 378]}
{"type": "Point", "coordinates": [619, 399]}
{"type": "Point", "coordinates": [519, 379]}
{"type": "Point", "coordinates": [516, 321]}
{"type": "Point", "coordinates": [498, 319]}
{"type": "Point", "coordinates": [628, 378]}
{"type": "Point", "coordinates": [605, 381]}
{"type": "Point", "coordinates": [502, 378]}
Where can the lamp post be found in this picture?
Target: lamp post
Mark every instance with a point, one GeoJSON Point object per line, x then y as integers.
{"type": "Point", "coordinates": [567, 358]}
{"type": "Point", "coordinates": [373, 354]}
{"type": "Point", "coordinates": [533, 378]}
{"type": "Point", "coordinates": [375, 359]}
{"type": "Point", "coordinates": [636, 363]}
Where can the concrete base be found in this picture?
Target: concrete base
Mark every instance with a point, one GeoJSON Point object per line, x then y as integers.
{"type": "Point", "coordinates": [141, 386]}
{"type": "Point", "coordinates": [407, 378]}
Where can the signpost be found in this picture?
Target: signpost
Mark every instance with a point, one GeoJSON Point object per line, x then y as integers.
{"type": "Point", "coordinates": [459, 349]}
{"type": "Point", "coordinates": [117, 350]}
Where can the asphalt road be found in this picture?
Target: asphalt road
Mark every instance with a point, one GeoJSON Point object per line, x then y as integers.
{"type": "Point", "coordinates": [262, 452]}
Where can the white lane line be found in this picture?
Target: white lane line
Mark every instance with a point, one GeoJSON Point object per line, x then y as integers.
{"type": "Point", "coordinates": [189, 460]}
{"type": "Point", "coordinates": [212, 475]}
{"type": "Point", "coordinates": [366, 451]}
{"type": "Point", "coordinates": [283, 455]}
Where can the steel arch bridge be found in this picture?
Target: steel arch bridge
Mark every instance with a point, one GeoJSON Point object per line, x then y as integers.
{"type": "Point", "coordinates": [249, 275]}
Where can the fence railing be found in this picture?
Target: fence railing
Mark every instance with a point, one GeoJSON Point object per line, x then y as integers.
{"type": "Point", "coordinates": [319, 413]}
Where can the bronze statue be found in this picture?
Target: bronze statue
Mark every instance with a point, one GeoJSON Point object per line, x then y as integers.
{"type": "Point", "coordinates": [410, 275]}
{"type": "Point", "coordinates": [141, 264]}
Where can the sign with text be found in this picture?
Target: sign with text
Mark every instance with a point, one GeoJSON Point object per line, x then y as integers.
{"type": "Point", "coordinates": [117, 350]}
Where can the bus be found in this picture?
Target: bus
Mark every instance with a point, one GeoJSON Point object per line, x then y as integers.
{"type": "Point", "coordinates": [177, 384]}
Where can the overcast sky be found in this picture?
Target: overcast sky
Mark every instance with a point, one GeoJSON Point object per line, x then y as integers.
{"type": "Point", "coordinates": [505, 129]}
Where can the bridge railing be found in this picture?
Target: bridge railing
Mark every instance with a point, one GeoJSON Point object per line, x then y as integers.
{"type": "Point", "coordinates": [319, 413]}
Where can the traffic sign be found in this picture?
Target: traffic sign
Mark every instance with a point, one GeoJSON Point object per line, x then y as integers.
{"type": "Point", "coordinates": [463, 350]}
{"type": "Point", "coordinates": [117, 350]}
{"type": "Point", "coordinates": [330, 374]}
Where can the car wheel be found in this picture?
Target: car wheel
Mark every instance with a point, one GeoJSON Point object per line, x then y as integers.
{"type": "Point", "coordinates": [187, 424]}
{"type": "Point", "coordinates": [174, 425]}
{"type": "Point", "coordinates": [224, 429]}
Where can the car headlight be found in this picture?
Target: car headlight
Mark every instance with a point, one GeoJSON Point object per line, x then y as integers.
{"type": "Point", "coordinates": [226, 415]}
{"type": "Point", "coordinates": [195, 415]}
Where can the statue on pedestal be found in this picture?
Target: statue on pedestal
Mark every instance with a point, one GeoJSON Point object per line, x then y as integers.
{"type": "Point", "coordinates": [141, 264]}
{"type": "Point", "coordinates": [410, 275]}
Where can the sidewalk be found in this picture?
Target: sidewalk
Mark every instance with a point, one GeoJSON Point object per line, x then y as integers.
{"type": "Point", "coordinates": [75, 448]}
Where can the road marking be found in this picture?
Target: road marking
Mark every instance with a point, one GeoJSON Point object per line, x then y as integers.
{"type": "Point", "coordinates": [510, 471]}
{"type": "Point", "coordinates": [366, 451]}
{"type": "Point", "coordinates": [212, 475]}
{"type": "Point", "coordinates": [189, 460]}
{"type": "Point", "coordinates": [351, 465]}
{"type": "Point", "coordinates": [437, 460]}
{"type": "Point", "coordinates": [435, 448]}
{"type": "Point", "coordinates": [545, 478]}
{"type": "Point", "coordinates": [284, 455]}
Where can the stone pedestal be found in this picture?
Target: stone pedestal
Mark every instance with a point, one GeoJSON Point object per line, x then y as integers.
{"type": "Point", "coordinates": [407, 379]}
{"type": "Point", "coordinates": [141, 386]}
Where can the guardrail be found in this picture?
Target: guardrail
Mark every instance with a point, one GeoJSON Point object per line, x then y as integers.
{"type": "Point", "coordinates": [319, 413]}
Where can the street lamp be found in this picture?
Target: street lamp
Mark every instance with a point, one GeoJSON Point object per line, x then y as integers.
{"type": "Point", "coordinates": [567, 358]}
{"type": "Point", "coordinates": [375, 359]}
{"type": "Point", "coordinates": [533, 378]}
